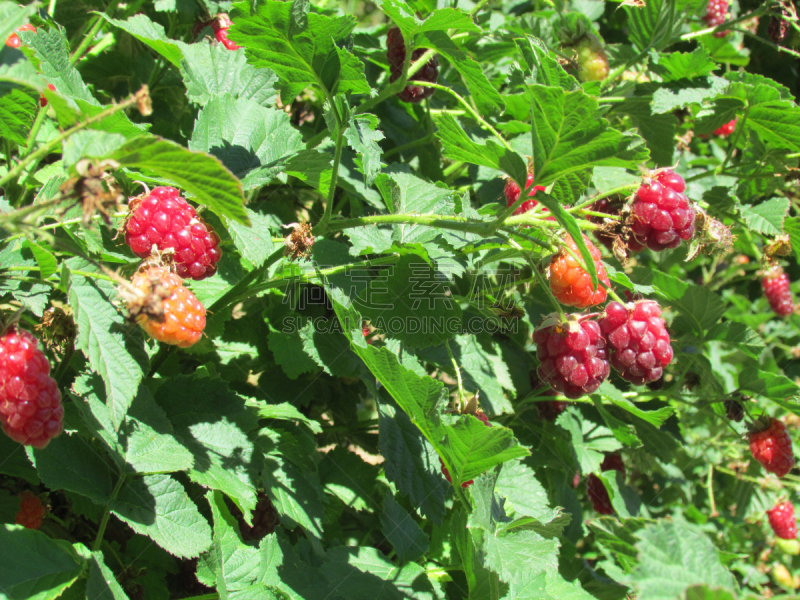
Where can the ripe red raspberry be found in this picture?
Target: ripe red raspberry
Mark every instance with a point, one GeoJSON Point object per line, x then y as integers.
{"type": "Point", "coordinates": [662, 215]}
{"type": "Point", "coordinates": [598, 494]}
{"type": "Point", "coordinates": [220, 25]}
{"type": "Point", "coordinates": [42, 99]}
{"type": "Point", "coordinates": [772, 447]}
{"type": "Point", "coordinates": [31, 511]}
{"type": "Point", "coordinates": [776, 289]}
{"type": "Point", "coordinates": [365, 333]}
{"type": "Point", "coordinates": [573, 355]}
{"type": "Point", "coordinates": [716, 15]}
{"type": "Point", "coordinates": [570, 283]}
{"type": "Point", "coordinates": [782, 521]}
{"type": "Point", "coordinates": [727, 129]}
{"type": "Point", "coordinates": [548, 410]}
{"type": "Point", "coordinates": [512, 193]}
{"type": "Point", "coordinates": [13, 40]}
{"type": "Point", "coordinates": [591, 58]}
{"type": "Point", "coordinates": [30, 403]}
{"type": "Point", "coordinates": [639, 341]}
{"type": "Point", "coordinates": [482, 416]}
{"type": "Point", "coordinates": [165, 219]}
{"type": "Point", "coordinates": [165, 309]}
{"type": "Point", "coordinates": [396, 55]}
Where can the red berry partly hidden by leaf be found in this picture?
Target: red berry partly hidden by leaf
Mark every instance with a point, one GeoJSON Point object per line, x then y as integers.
{"type": "Point", "coordinates": [13, 40]}
{"type": "Point", "coordinates": [662, 215]}
{"type": "Point", "coordinates": [772, 447]}
{"type": "Point", "coordinates": [220, 25]}
{"type": "Point", "coordinates": [165, 219]}
{"type": "Point", "coordinates": [591, 58]}
{"type": "Point", "coordinates": [638, 339]}
{"type": "Point", "coordinates": [779, 295]}
{"type": "Point", "coordinates": [716, 15]}
{"type": "Point", "coordinates": [167, 310]}
{"type": "Point", "coordinates": [30, 403]}
{"type": "Point", "coordinates": [782, 521]}
{"type": "Point", "coordinates": [512, 193]}
{"type": "Point", "coordinates": [570, 283]}
{"type": "Point", "coordinates": [396, 55]}
{"type": "Point", "coordinates": [726, 129]}
{"type": "Point", "coordinates": [42, 99]}
{"type": "Point", "coordinates": [549, 410]}
{"type": "Point", "coordinates": [31, 511]}
{"type": "Point", "coordinates": [365, 332]}
{"type": "Point", "coordinates": [598, 494]}
{"type": "Point", "coordinates": [485, 420]}
{"type": "Point", "coordinates": [573, 355]}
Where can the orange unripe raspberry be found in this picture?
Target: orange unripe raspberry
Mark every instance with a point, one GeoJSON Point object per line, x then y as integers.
{"type": "Point", "coordinates": [571, 284]}
{"type": "Point", "coordinates": [31, 511]}
{"type": "Point", "coordinates": [173, 315]}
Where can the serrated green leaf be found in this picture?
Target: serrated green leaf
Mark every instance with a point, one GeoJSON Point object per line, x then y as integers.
{"type": "Point", "coordinates": [363, 138]}
{"type": "Point", "coordinates": [17, 112]}
{"type": "Point", "coordinates": [766, 217]}
{"type": "Point", "coordinates": [403, 532]}
{"type": "Point", "coordinates": [152, 34]}
{"type": "Point", "coordinates": [102, 583]}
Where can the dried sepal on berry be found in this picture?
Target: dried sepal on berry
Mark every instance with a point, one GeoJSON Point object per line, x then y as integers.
{"type": "Point", "coordinates": [780, 246]}
{"type": "Point", "coordinates": [57, 328]}
{"type": "Point", "coordinates": [95, 189]}
{"type": "Point", "coordinates": [299, 242]}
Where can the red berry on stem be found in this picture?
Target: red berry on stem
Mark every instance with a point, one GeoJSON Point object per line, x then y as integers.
{"type": "Point", "coordinates": [220, 25]}
{"type": "Point", "coordinates": [662, 215]}
{"type": "Point", "coordinates": [726, 129]}
{"type": "Point", "coordinates": [772, 447]}
{"type": "Point", "coordinates": [779, 295]}
{"type": "Point", "coordinates": [598, 494]}
{"type": "Point", "coordinates": [165, 219]}
{"type": "Point", "coordinates": [782, 521]}
{"type": "Point", "coordinates": [716, 15]}
{"type": "Point", "coordinates": [573, 356]}
{"type": "Point", "coordinates": [638, 339]}
{"type": "Point", "coordinates": [396, 55]}
{"type": "Point", "coordinates": [571, 284]}
{"type": "Point", "coordinates": [485, 420]}
{"type": "Point", "coordinates": [30, 402]}
{"type": "Point", "coordinates": [13, 41]}
{"type": "Point", "coordinates": [512, 193]}
{"type": "Point", "coordinates": [31, 511]}
{"type": "Point", "coordinates": [181, 317]}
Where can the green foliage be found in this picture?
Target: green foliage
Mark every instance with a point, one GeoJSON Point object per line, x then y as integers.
{"type": "Point", "coordinates": [369, 327]}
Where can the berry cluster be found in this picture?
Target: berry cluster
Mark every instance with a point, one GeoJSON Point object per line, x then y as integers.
{"type": "Point", "coordinates": [13, 41]}
{"type": "Point", "coordinates": [598, 494]}
{"type": "Point", "coordinates": [31, 511]}
{"type": "Point", "coordinates": [30, 403]}
{"type": "Point", "coordinates": [167, 310]}
{"type": "Point", "coordinates": [482, 416]}
{"type": "Point", "coordinates": [772, 447]}
{"type": "Point", "coordinates": [570, 283]}
{"type": "Point", "coordinates": [396, 55]}
{"type": "Point", "coordinates": [512, 193]}
{"type": "Point", "coordinates": [639, 341]}
{"type": "Point", "coordinates": [716, 15]}
{"type": "Point", "coordinates": [164, 219]}
{"type": "Point", "coordinates": [781, 519]}
{"type": "Point", "coordinates": [662, 215]}
{"type": "Point", "coordinates": [573, 355]}
{"type": "Point", "coordinates": [779, 295]}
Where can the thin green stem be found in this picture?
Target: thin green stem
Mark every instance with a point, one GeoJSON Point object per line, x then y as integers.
{"type": "Point", "coordinates": [51, 9]}
{"type": "Point", "coordinates": [733, 144]}
{"type": "Point", "coordinates": [477, 7]}
{"type": "Point", "coordinates": [619, 70]}
{"type": "Point", "coordinates": [317, 139]}
{"type": "Point", "coordinates": [538, 275]}
{"type": "Point", "coordinates": [87, 39]}
{"type": "Point", "coordinates": [726, 25]}
{"type": "Point", "coordinates": [209, 596]}
{"type": "Point", "coordinates": [37, 125]}
{"type": "Point", "coordinates": [55, 142]}
{"type": "Point", "coordinates": [458, 373]}
{"type": "Point", "coordinates": [409, 146]}
{"type": "Point", "coordinates": [233, 295]}
{"type": "Point", "coordinates": [440, 221]}
{"type": "Point", "coordinates": [98, 540]}
{"type": "Point", "coordinates": [337, 157]}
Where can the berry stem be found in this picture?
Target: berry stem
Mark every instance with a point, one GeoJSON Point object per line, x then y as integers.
{"type": "Point", "coordinates": [732, 145]}
{"type": "Point", "coordinates": [458, 373]}
{"type": "Point", "coordinates": [537, 274]}
{"type": "Point", "coordinates": [337, 157]}
{"type": "Point", "coordinates": [724, 26]}
{"type": "Point", "coordinates": [710, 488]}
{"type": "Point", "coordinates": [101, 530]}
{"type": "Point", "coordinates": [621, 190]}
{"type": "Point", "coordinates": [92, 33]}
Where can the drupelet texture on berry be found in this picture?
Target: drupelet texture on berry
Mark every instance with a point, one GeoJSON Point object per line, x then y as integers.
{"type": "Point", "coordinates": [14, 41]}
{"type": "Point", "coordinates": [483, 418]}
{"type": "Point", "coordinates": [781, 519]}
{"type": "Point", "coordinates": [396, 55]}
{"type": "Point", "coordinates": [220, 25]}
{"type": "Point", "coordinates": [30, 402]}
{"type": "Point", "coordinates": [662, 215]}
{"type": "Point", "coordinates": [598, 494]}
{"type": "Point", "coordinates": [31, 511]}
{"type": "Point", "coordinates": [779, 295]}
{"type": "Point", "coordinates": [772, 447]}
{"type": "Point", "coordinates": [173, 314]}
{"type": "Point", "coordinates": [573, 355]}
{"type": "Point", "coordinates": [165, 219]}
{"type": "Point", "coordinates": [591, 58]}
{"type": "Point", "coordinates": [570, 283]}
{"type": "Point", "coordinates": [638, 340]}
{"type": "Point", "coordinates": [512, 193]}
{"type": "Point", "coordinates": [716, 15]}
